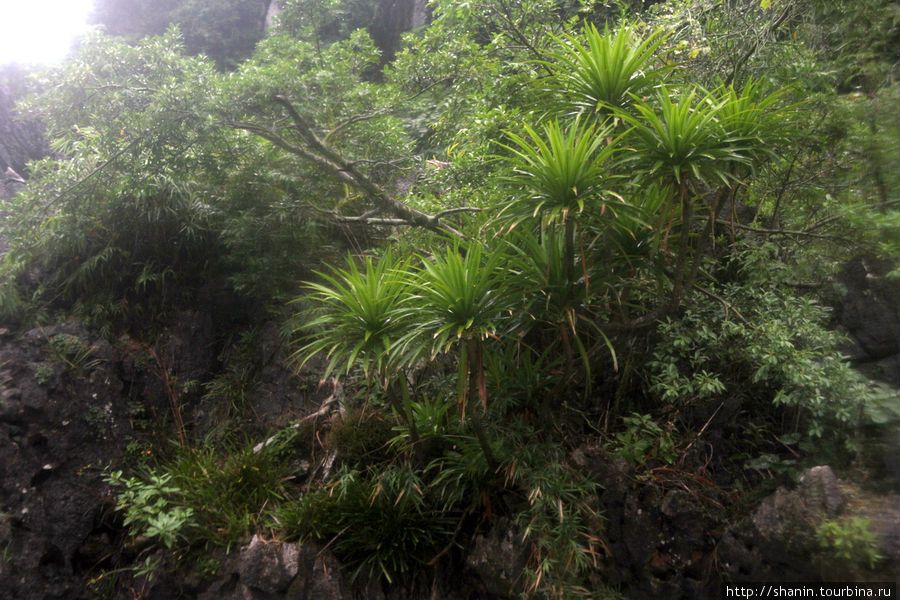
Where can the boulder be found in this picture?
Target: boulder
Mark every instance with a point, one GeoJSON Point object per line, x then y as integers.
{"type": "Point", "coordinates": [268, 566]}
{"type": "Point", "coordinates": [278, 570]}
{"type": "Point", "coordinates": [786, 520]}
{"type": "Point", "coordinates": [778, 542]}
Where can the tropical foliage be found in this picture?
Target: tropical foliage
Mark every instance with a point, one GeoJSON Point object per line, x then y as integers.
{"type": "Point", "coordinates": [541, 226]}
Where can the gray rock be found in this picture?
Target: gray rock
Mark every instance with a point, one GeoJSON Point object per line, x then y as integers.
{"type": "Point", "coordinates": [269, 566]}
{"type": "Point", "coordinates": [820, 486]}
{"type": "Point", "coordinates": [792, 515]}
{"type": "Point", "coordinates": [498, 560]}
{"type": "Point", "coordinates": [779, 543]}
{"type": "Point", "coordinates": [276, 570]}
{"type": "Point", "coordinates": [870, 310]}
{"type": "Point", "coordinates": [320, 577]}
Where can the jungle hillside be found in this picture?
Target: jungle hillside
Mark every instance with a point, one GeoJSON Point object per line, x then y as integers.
{"type": "Point", "coordinates": [385, 299]}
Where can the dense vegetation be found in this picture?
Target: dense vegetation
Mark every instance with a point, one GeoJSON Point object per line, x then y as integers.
{"type": "Point", "coordinates": [542, 225]}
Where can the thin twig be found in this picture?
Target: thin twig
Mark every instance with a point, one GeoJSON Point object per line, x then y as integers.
{"type": "Point", "coordinates": [700, 433]}
{"type": "Point", "coordinates": [728, 305]}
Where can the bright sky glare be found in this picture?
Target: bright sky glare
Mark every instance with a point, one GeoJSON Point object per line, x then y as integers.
{"type": "Point", "coordinates": [40, 32]}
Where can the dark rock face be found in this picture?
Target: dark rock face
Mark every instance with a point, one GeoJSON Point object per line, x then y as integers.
{"type": "Point", "coordinates": [67, 400]}
{"type": "Point", "coordinates": [660, 537]}
{"type": "Point", "coordinates": [65, 397]}
{"type": "Point", "coordinates": [664, 542]}
{"type": "Point", "coordinates": [870, 312]}
{"type": "Point", "coordinates": [268, 567]}
{"type": "Point", "coordinates": [497, 561]}
{"type": "Point", "coordinates": [785, 522]}
{"type": "Point", "coordinates": [62, 419]}
{"type": "Point", "coordinates": [278, 396]}
{"type": "Point", "coordinates": [886, 526]}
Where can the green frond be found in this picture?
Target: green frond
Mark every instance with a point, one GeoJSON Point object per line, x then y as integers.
{"type": "Point", "coordinates": [600, 73]}
{"type": "Point", "coordinates": [357, 316]}
{"type": "Point", "coordinates": [459, 294]}
{"type": "Point", "coordinates": [559, 172]}
{"type": "Point", "coordinates": [683, 139]}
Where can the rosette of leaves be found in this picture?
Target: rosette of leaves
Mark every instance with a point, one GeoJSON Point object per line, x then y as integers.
{"type": "Point", "coordinates": [559, 174]}
{"type": "Point", "coordinates": [358, 318]}
{"type": "Point", "coordinates": [599, 72]}
{"type": "Point", "coordinates": [459, 298]}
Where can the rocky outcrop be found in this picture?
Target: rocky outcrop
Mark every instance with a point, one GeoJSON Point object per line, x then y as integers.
{"type": "Point", "coordinates": [68, 400]}
{"type": "Point", "coordinates": [870, 313]}
{"type": "Point", "coordinates": [268, 569]}
{"type": "Point", "coordinates": [68, 403]}
{"type": "Point", "coordinates": [665, 537]}
{"type": "Point", "coordinates": [658, 534]}
{"type": "Point", "coordinates": [497, 561]}
{"type": "Point", "coordinates": [63, 418]}
{"type": "Point", "coordinates": [778, 542]}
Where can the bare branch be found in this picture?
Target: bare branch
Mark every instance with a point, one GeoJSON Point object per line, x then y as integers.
{"type": "Point", "coordinates": [354, 120]}
{"type": "Point", "coordinates": [318, 152]}
{"type": "Point", "coordinates": [799, 233]}
{"type": "Point", "coordinates": [371, 220]}
{"type": "Point", "coordinates": [453, 211]}
{"type": "Point", "coordinates": [755, 45]}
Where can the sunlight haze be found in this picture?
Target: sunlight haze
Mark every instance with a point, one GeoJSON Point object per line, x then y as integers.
{"type": "Point", "coordinates": [40, 31]}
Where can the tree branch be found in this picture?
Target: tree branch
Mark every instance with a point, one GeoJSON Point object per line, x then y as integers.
{"type": "Point", "coordinates": [753, 47]}
{"type": "Point", "coordinates": [453, 211]}
{"type": "Point", "coordinates": [318, 152]}
{"type": "Point", "coordinates": [800, 233]}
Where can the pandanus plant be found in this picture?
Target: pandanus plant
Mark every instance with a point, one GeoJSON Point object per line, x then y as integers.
{"type": "Point", "coordinates": [596, 73]}
{"type": "Point", "coordinates": [357, 319]}
{"type": "Point", "coordinates": [696, 144]}
{"type": "Point", "coordinates": [457, 301]}
{"type": "Point", "coordinates": [558, 174]}
{"type": "Point", "coordinates": [540, 278]}
{"type": "Point", "coordinates": [562, 176]}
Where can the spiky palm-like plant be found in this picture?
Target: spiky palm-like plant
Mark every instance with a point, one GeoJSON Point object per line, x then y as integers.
{"type": "Point", "coordinates": [694, 144]}
{"type": "Point", "coordinates": [539, 270]}
{"type": "Point", "coordinates": [753, 115]}
{"type": "Point", "coordinates": [600, 73]}
{"type": "Point", "coordinates": [358, 318]}
{"type": "Point", "coordinates": [680, 141]}
{"type": "Point", "coordinates": [458, 300]}
{"type": "Point", "coordinates": [560, 173]}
